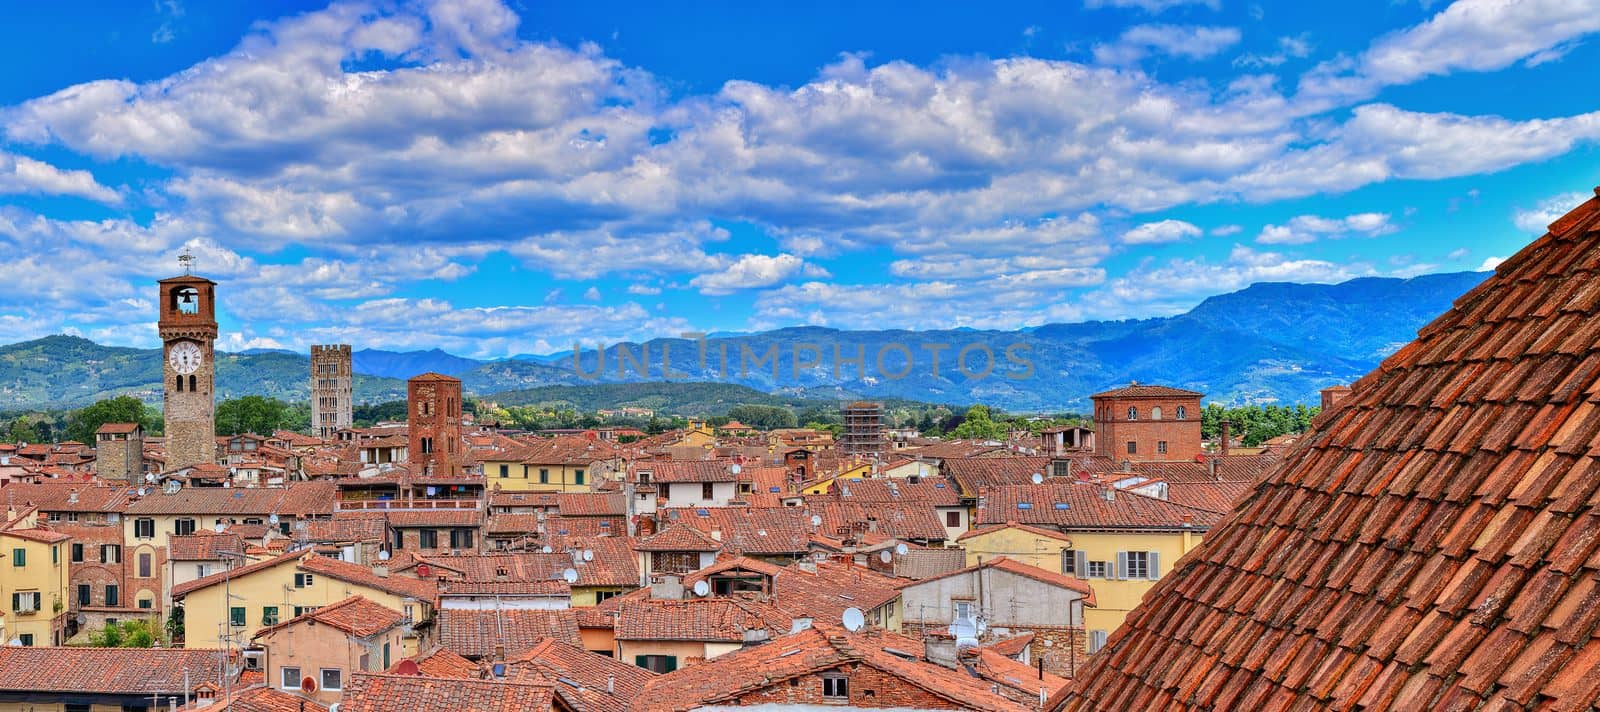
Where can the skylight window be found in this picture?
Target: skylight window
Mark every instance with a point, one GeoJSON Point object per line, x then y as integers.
{"type": "Point", "coordinates": [1063, 505]}
{"type": "Point", "coordinates": [1024, 505]}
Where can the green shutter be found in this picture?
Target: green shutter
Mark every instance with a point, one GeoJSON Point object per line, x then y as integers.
{"type": "Point", "coordinates": [672, 662]}
{"type": "Point", "coordinates": [19, 557]}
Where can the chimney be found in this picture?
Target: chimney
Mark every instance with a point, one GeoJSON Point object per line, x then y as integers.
{"type": "Point", "coordinates": [611, 684]}
{"type": "Point", "coordinates": [1211, 467]}
{"type": "Point", "coordinates": [668, 588]}
{"type": "Point", "coordinates": [800, 624]}
{"type": "Point", "coordinates": [1227, 436]}
{"type": "Point", "coordinates": [939, 651]}
{"type": "Point", "coordinates": [807, 565]}
{"type": "Point", "coordinates": [755, 636]}
{"type": "Point", "coordinates": [716, 535]}
{"type": "Point", "coordinates": [380, 571]}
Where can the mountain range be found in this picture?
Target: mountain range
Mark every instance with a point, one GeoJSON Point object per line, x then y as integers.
{"type": "Point", "coordinates": [1267, 343]}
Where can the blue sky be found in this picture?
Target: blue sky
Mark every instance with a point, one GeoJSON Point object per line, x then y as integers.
{"type": "Point", "coordinates": [497, 179]}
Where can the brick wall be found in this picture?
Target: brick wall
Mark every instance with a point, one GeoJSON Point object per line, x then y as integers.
{"type": "Point", "coordinates": [868, 687]}
{"type": "Point", "coordinates": [1114, 430]}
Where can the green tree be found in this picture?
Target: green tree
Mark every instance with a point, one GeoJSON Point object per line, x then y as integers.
{"type": "Point", "coordinates": [132, 633]}
{"type": "Point", "coordinates": [764, 417]}
{"type": "Point", "coordinates": [253, 414]}
{"type": "Point", "coordinates": [22, 431]}
{"type": "Point", "coordinates": [979, 424]}
{"type": "Point", "coordinates": [82, 424]}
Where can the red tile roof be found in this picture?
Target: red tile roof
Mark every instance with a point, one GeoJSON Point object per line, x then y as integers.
{"type": "Point", "coordinates": [678, 537]}
{"type": "Point", "coordinates": [356, 615]}
{"type": "Point", "coordinates": [368, 692]}
{"type": "Point", "coordinates": [721, 620]}
{"type": "Point", "coordinates": [257, 698]}
{"type": "Point", "coordinates": [1431, 545]}
{"type": "Point", "coordinates": [123, 671]}
{"type": "Point", "coordinates": [673, 471]}
{"type": "Point", "coordinates": [202, 546]}
{"type": "Point", "coordinates": [475, 633]}
{"type": "Point", "coordinates": [563, 664]}
{"type": "Point", "coordinates": [1082, 505]}
{"type": "Point", "coordinates": [1139, 390]}
{"type": "Point", "coordinates": [117, 428]}
{"type": "Point", "coordinates": [759, 531]}
{"type": "Point", "coordinates": [933, 491]}
{"type": "Point", "coordinates": [592, 504]}
{"type": "Point", "coordinates": [901, 520]}
{"type": "Point", "coordinates": [1036, 531]}
{"type": "Point", "coordinates": [1012, 566]}
{"type": "Point", "coordinates": [724, 679]}
{"type": "Point", "coordinates": [298, 499]}
{"type": "Point", "coordinates": [442, 662]}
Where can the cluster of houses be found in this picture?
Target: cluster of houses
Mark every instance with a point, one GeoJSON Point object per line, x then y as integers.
{"type": "Point", "coordinates": [373, 568]}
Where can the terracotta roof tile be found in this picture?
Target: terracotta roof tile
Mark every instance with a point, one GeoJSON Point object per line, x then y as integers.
{"type": "Point", "coordinates": [124, 671]}
{"type": "Point", "coordinates": [476, 633]}
{"type": "Point", "coordinates": [1430, 545]}
{"type": "Point", "coordinates": [356, 615]}
{"type": "Point", "coordinates": [367, 692]}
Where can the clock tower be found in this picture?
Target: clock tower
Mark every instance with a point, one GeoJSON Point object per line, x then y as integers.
{"type": "Point", "coordinates": [188, 327]}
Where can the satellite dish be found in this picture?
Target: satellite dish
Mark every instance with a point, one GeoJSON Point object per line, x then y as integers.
{"type": "Point", "coordinates": [701, 588]}
{"type": "Point", "coordinates": [547, 549]}
{"type": "Point", "coordinates": [736, 469]}
{"type": "Point", "coordinates": [383, 554]}
{"type": "Point", "coordinates": [150, 477]}
{"type": "Point", "coordinates": [407, 667]}
{"type": "Point", "coordinates": [308, 685]}
{"type": "Point", "coordinates": [15, 643]}
{"type": "Point", "coordinates": [220, 527]}
{"type": "Point", "coordinates": [816, 520]}
{"type": "Point", "coordinates": [901, 548]}
{"type": "Point", "coordinates": [82, 619]}
{"type": "Point", "coordinates": [423, 570]}
{"type": "Point", "coordinates": [570, 575]}
{"type": "Point", "coordinates": [963, 628]}
{"type": "Point", "coordinates": [432, 490]}
{"type": "Point", "coordinates": [273, 520]}
{"type": "Point", "coordinates": [588, 555]}
{"type": "Point", "coordinates": [1037, 478]}
{"type": "Point", "coordinates": [886, 556]}
{"type": "Point", "coordinates": [853, 619]}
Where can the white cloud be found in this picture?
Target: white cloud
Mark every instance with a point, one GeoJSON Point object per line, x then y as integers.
{"type": "Point", "coordinates": [1489, 263]}
{"type": "Point", "coordinates": [1304, 229]}
{"type": "Point", "coordinates": [1162, 231]}
{"type": "Point", "coordinates": [1226, 230]}
{"type": "Point", "coordinates": [1151, 6]}
{"type": "Point", "coordinates": [1182, 41]}
{"type": "Point", "coordinates": [1536, 220]}
{"type": "Point", "coordinates": [1469, 35]}
{"type": "Point", "coordinates": [1287, 48]}
{"type": "Point", "coordinates": [643, 289]}
{"type": "Point", "coordinates": [751, 272]}
{"type": "Point", "coordinates": [592, 294]}
{"type": "Point", "coordinates": [21, 174]}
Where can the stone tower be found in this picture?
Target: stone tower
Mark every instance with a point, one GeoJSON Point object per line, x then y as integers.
{"type": "Point", "coordinates": [1143, 423]}
{"type": "Point", "coordinates": [332, 386]}
{"type": "Point", "coordinates": [863, 429]}
{"type": "Point", "coordinates": [188, 326]}
{"type": "Point", "coordinates": [119, 452]}
{"type": "Point", "coordinates": [433, 407]}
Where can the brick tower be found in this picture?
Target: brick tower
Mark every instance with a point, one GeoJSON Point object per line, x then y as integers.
{"type": "Point", "coordinates": [119, 452]}
{"type": "Point", "coordinates": [1147, 423]}
{"type": "Point", "coordinates": [433, 407]}
{"type": "Point", "coordinates": [332, 386]}
{"type": "Point", "coordinates": [188, 326]}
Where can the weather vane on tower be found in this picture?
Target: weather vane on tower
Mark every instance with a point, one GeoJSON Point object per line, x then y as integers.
{"type": "Point", "coordinates": [186, 261]}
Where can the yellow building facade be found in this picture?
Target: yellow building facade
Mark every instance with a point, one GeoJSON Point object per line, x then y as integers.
{"type": "Point", "coordinates": [1105, 556]}
{"type": "Point", "coordinates": [515, 475]}
{"type": "Point", "coordinates": [33, 581]}
{"type": "Point", "coordinates": [266, 593]}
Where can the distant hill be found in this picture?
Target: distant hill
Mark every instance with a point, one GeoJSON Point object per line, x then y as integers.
{"type": "Point", "coordinates": [1270, 342]}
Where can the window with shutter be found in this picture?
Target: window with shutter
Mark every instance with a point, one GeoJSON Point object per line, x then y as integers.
{"type": "Point", "coordinates": [1122, 566]}
{"type": "Point", "coordinates": [1155, 566]}
{"type": "Point", "coordinates": [1097, 640]}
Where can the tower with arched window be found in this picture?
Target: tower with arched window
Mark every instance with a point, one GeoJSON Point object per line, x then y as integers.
{"type": "Point", "coordinates": [1147, 423]}
{"type": "Point", "coordinates": [188, 326]}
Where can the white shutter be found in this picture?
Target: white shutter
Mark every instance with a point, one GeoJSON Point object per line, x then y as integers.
{"type": "Point", "coordinates": [1155, 566]}
{"type": "Point", "coordinates": [1081, 563]}
{"type": "Point", "coordinates": [1122, 566]}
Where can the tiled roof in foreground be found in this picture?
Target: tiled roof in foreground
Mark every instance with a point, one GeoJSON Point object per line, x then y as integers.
{"type": "Point", "coordinates": [1432, 545]}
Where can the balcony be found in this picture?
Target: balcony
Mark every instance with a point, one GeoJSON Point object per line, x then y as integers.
{"type": "Point", "coordinates": [359, 505]}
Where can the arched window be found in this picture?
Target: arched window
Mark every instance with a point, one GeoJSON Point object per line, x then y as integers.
{"type": "Point", "coordinates": [186, 300]}
{"type": "Point", "coordinates": [191, 384]}
{"type": "Point", "coordinates": [1183, 413]}
{"type": "Point", "coordinates": [179, 384]}
{"type": "Point", "coordinates": [1133, 414]}
{"type": "Point", "coordinates": [1155, 413]}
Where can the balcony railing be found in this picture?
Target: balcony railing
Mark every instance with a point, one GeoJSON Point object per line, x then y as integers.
{"type": "Point", "coordinates": [379, 504]}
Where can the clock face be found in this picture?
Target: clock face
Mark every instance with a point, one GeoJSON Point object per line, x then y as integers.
{"type": "Point", "coordinates": [185, 357]}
